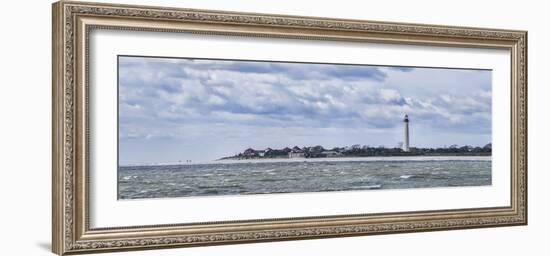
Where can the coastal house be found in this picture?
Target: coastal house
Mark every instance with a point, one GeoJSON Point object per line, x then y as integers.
{"type": "Point", "coordinates": [253, 153]}
{"type": "Point", "coordinates": [249, 152]}
{"type": "Point", "coordinates": [296, 152]}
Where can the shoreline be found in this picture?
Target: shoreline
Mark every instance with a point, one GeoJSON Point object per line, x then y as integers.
{"type": "Point", "coordinates": [334, 159]}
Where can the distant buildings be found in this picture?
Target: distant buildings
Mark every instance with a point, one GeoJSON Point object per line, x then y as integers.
{"type": "Point", "coordinates": [360, 151]}
{"type": "Point", "coordinates": [332, 153]}
{"type": "Point", "coordinates": [296, 152]}
{"type": "Point", "coordinates": [267, 153]}
{"type": "Point", "coordinates": [313, 152]}
{"type": "Point", "coordinates": [249, 152]}
{"type": "Point", "coordinates": [403, 149]}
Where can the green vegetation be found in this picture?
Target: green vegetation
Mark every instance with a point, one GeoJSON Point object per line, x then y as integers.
{"type": "Point", "coordinates": [360, 151]}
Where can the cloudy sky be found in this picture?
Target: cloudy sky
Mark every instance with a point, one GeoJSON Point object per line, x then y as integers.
{"type": "Point", "coordinates": [193, 109]}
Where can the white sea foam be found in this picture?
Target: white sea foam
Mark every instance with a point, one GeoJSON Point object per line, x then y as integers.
{"type": "Point", "coordinates": [336, 159]}
{"type": "Point", "coordinates": [371, 186]}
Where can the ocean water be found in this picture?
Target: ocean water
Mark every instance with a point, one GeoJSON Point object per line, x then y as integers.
{"type": "Point", "coordinates": [241, 177]}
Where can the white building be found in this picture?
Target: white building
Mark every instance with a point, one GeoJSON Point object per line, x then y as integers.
{"type": "Point", "coordinates": [296, 155]}
{"type": "Point", "coordinates": [331, 153]}
{"type": "Point", "coordinates": [296, 152]}
{"type": "Point", "coordinates": [406, 141]}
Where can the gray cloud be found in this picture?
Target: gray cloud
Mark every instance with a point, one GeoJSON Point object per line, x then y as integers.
{"type": "Point", "coordinates": [180, 99]}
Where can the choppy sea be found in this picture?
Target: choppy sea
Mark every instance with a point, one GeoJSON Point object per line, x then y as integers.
{"type": "Point", "coordinates": [241, 177]}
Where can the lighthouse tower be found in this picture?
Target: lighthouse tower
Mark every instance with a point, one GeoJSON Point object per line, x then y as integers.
{"type": "Point", "coordinates": [406, 141]}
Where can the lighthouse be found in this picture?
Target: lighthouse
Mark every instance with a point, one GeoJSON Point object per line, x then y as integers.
{"type": "Point", "coordinates": [406, 141]}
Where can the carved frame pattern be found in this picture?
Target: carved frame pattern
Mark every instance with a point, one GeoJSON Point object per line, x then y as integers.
{"type": "Point", "coordinates": [71, 235]}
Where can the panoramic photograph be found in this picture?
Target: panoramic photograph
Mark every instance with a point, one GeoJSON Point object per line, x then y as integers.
{"type": "Point", "coordinates": [213, 127]}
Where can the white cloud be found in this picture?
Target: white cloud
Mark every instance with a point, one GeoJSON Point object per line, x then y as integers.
{"type": "Point", "coordinates": [162, 98]}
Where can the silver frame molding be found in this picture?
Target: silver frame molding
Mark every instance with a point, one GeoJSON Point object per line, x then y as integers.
{"type": "Point", "coordinates": [72, 22]}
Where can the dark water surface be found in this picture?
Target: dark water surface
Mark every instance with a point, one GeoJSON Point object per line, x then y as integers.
{"type": "Point", "coordinates": [262, 177]}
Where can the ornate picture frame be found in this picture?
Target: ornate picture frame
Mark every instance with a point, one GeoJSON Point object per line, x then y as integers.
{"type": "Point", "coordinates": [72, 24]}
